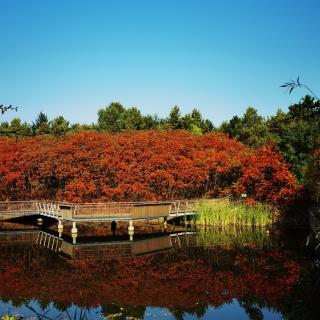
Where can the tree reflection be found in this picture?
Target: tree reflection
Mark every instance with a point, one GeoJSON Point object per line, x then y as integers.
{"type": "Point", "coordinates": [185, 281]}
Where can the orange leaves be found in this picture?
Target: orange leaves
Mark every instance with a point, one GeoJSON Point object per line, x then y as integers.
{"type": "Point", "coordinates": [140, 165]}
{"type": "Point", "coordinates": [266, 177]}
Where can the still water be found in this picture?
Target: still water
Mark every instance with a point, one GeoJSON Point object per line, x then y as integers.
{"type": "Point", "coordinates": [207, 274]}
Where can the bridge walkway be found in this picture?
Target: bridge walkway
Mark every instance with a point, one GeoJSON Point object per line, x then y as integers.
{"type": "Point", "coordinates": [100, 212]}
{"type": "Point", "coordinates": [109, 211]}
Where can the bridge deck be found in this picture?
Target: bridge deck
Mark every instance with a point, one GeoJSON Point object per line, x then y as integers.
{"type": "Point", "coordinates": [96, 212]}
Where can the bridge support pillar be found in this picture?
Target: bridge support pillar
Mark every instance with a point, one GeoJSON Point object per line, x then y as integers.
{"type": "Point", "coordinates": [60, 228]}
{"type": "Point", "coordinates": [165, 223]}
{"type": "Point", "coordinates": [131, 230]}
{"type": "Point", "coordinates": [74, 232]}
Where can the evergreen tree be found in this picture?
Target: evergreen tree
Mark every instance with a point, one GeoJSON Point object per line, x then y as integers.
{"type": "Point", "coordinates": [174, 120]}
{"type": "Point", "coordinates": [41, 124]}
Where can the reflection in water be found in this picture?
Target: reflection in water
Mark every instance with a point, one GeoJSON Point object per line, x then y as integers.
{"type": "Point", "coordinates": [234, 273]}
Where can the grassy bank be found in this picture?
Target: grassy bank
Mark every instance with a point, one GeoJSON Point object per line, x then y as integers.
{"type": "Point", "coordinates": [225, 213]}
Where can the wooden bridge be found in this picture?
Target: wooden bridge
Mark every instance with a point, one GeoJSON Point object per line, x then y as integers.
{"type": "Point", "coordinates": [99, 212]}
{"type": "Point", "coordinates": [110, 211]}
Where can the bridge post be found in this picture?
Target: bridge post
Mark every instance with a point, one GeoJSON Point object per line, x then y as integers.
{"type": "Point", "coordinates": [131, 230]}
{"type": "Point", "coordinates": [165, 223]}
{"type": "Point", "coordinates": [60, 228]}
{"type": "Point", "coordinates": [74, 232]}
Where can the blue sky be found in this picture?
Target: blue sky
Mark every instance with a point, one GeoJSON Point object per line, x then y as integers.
{"type": "Point", "coordinates": [73, 57]}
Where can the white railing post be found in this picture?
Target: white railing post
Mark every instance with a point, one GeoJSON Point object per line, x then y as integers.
{"type": "Point", "coordinates": [37, 207]}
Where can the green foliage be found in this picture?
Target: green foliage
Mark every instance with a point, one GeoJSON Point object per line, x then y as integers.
{"type": "Point", "coordinates": [59, 126]}
{"type": "Point", "coordinates": [133, 119]}
{"type": "Point", "coordinates": [174, 120]}
{"type": "Point", "coordinates": [86, 127]}
{"type": "Point", "coordinates": [295, 133]}
{"type": "Point", "coordinates": [225, 213]}
{"type": "Point", "coordinates": [41, 124]}
{"type": "Point", "coordinates": [111, 118]}
{"type": "Point", "coordinates": [312, 177]}
{"type": "Point", "coordinates": [192, 121]}
{"type": "Point", "coordinates": [116, 118]}
{"type": "Point", "coordinates": [15, 128]}
{"type": "Point", "coordinates": [251, 129]}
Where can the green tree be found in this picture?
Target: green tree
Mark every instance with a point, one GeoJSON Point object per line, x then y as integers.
{"type": "Point", "coordinates": [151, 122]}
{"type": "Point", "coordinates": [207, 126]}
{"type": "Point", "coordinates": [193, 121]}
{"type": "Point", "coordinates": [312, 176]}
{"type": "Point", "coordinates": [111, 118]}
{"type": "Point", "coordinates": [41, 124]}
{"type": "Point", "coordinates": [78, 127]}
{"type": "Point", "coordinates": [133, 119]}
{"type": "Point", "coordinates": [250, 129]}
{"type": "Point", "coordinates": [59, 126]}
{"type": "Point", "coordinates": [308, 109]}
{"type": "Point", "coordinates": [174, 120]}
{"type": "Point", "coordinates": [16, 128]}
{"type": "Point", "coordinates": [295, 133]}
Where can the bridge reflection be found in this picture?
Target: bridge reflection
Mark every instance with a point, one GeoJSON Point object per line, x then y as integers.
{"type": "Point", "coordinates": [101, 249]}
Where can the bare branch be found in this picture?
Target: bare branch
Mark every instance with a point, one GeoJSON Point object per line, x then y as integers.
{"type": "Point", "coordinates": [4, 109]}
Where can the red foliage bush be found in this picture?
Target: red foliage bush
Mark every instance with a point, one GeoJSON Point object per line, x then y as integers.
{"type": "Point", "coordinates": [140, 165]}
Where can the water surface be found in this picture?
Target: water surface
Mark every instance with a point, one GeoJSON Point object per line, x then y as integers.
{"type": "Point", "coordinates": [210, 274]}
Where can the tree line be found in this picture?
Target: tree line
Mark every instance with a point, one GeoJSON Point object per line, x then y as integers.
{"type": "Point", "coordinates": [113, 118]}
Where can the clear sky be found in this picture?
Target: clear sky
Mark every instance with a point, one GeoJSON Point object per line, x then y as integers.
{"type": "Point", "coordinates": [72, 57]}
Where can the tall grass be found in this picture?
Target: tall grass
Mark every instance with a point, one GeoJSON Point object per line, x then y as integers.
{"type": "Point", "coordinates": [226, 213]}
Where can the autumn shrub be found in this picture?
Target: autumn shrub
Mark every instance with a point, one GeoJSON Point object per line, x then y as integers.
{"type": "Point", "coordinates": [140, 165]}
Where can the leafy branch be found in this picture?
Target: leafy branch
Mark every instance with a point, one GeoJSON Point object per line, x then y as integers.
{"type": "Point", "coordinates": [14, 132]}
{"type": "Point", "coordinates": [293, 84]}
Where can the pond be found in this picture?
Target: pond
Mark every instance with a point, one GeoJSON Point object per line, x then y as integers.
{"type": "Point", "coordinates": [191, 274]}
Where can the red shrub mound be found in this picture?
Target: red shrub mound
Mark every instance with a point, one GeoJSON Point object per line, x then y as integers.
{"type": "Point", "coordinates": [140, 165]}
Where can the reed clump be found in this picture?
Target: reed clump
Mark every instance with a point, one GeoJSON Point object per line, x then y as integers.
{"type": "Point", "coordinates": [226, 213]}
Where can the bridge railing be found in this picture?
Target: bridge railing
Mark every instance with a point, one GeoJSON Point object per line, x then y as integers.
{"type": "Point", "coordinates": [132, 210]}
{"type": "Point", "coordinates": [92, 211]}
{"type": "Point", "coordinates": [183, 206]}
{"type": "Point", "coordinates": [18, 206]}
{"type": "Point", "coordinates": [116, 210]}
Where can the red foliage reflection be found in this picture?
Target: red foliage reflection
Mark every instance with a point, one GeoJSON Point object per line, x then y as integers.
{"type": "Point", "coordinates": [166, 279]}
